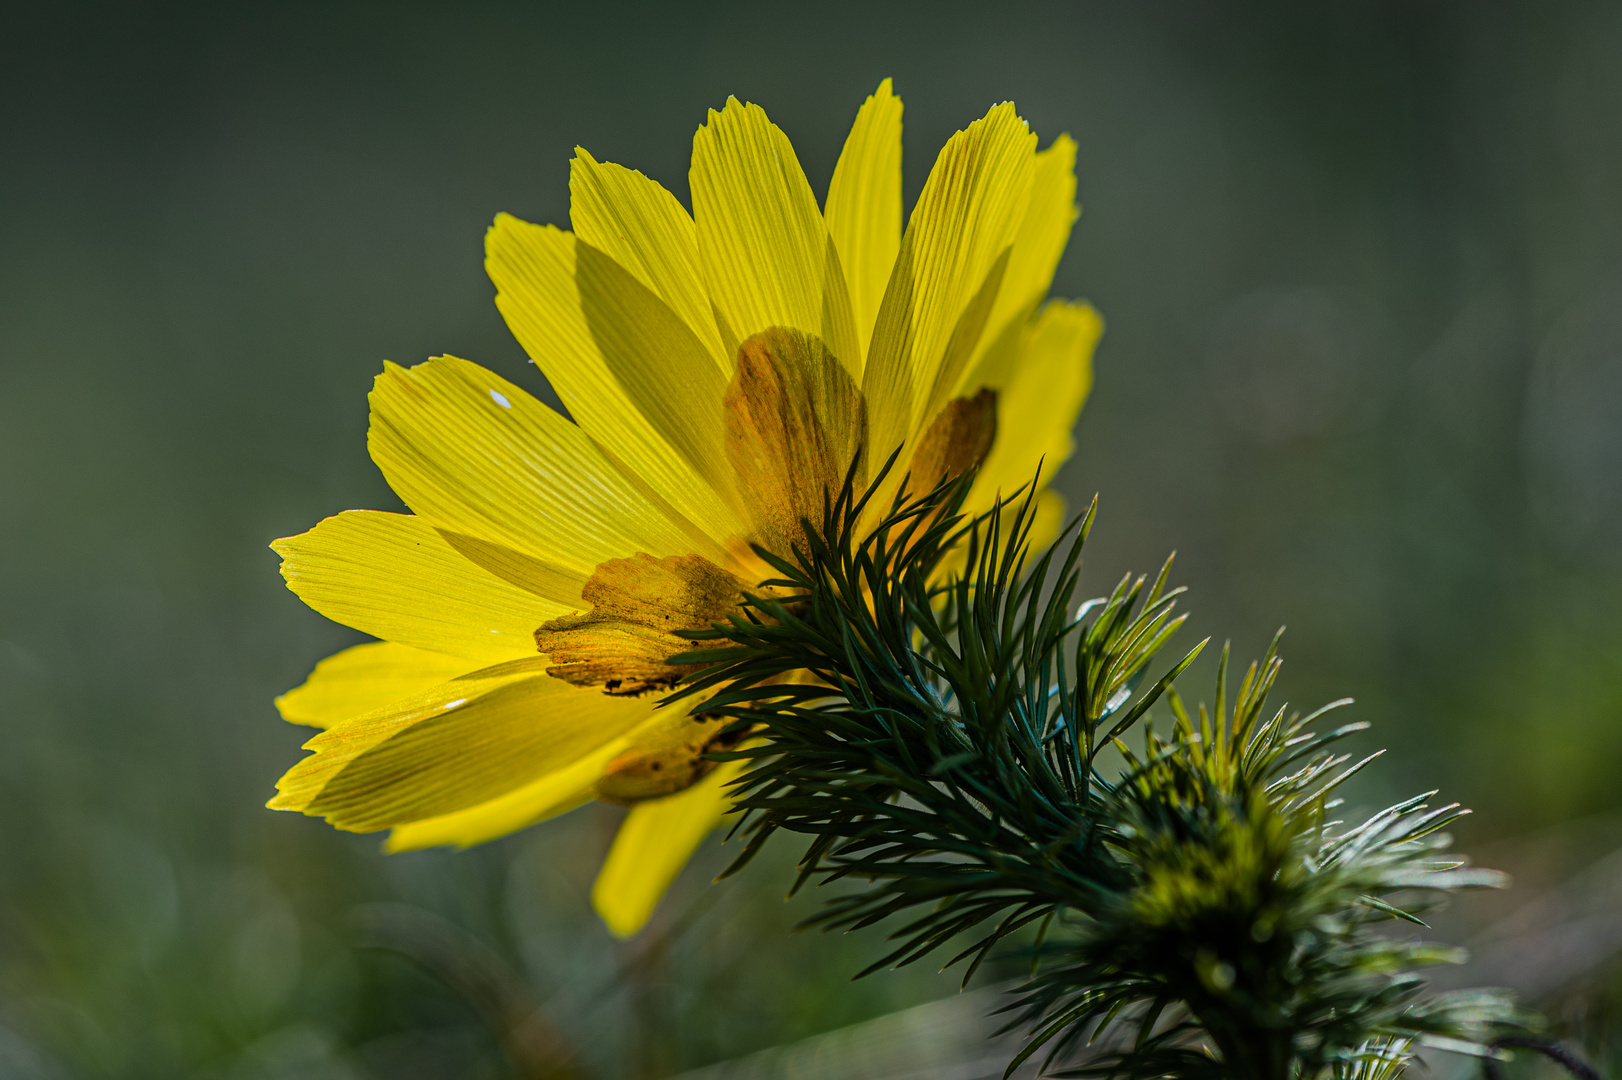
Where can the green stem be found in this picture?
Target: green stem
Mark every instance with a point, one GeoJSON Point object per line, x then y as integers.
{"type": "Point", "coordinates": [1249, 1051]}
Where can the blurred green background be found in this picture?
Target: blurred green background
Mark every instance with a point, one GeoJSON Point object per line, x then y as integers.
{"type": "Point", "coordinates": [1361, 266]}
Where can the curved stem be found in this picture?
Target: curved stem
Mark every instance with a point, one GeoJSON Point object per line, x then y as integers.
{"type": "Point", "coordinates": [1550, 1049]}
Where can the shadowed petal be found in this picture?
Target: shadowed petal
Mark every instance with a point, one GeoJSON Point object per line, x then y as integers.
{"type": "Point", "coordinates": [637, 223]}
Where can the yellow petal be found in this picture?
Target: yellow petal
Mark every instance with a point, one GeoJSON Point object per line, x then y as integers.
{"type": "Point", "coordinates": [535, 270]}
{"type": "Point", "coordinates": [767, 256]}
{"type": "Point", "coordinates": [668, 733]}
{"type": "Point", "coordinates": [864, 206]}
{"type": "Point", "coordinates": [1035, 256]}
{"type": "Point", "coordinates": [637, 223]}
{"type": "Point", "coordinates": [795, 422]}
{"type": "Point", "coordinates": [339, 746]}
{"type": "Point", "coordinates": [1043, 234]}
{"type": "Point", "coordinates": [452, 748]}
{"type": "Point", "coordinates": [653, 843]}
{"type": "Point", "coordinates": [363, 678]}
{"type": "Point", "coordinates": [552, 794]}
{"type": "Point", "coordinates": [475, 454]}
{"type": "Point", "coordinates": [952, 259]}
{"type": "Point", "coordinates": [394, 577]}
{"type": "Point", "coordinates": [1036, 410]}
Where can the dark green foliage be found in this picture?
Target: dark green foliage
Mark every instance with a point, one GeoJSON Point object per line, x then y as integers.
{"type": "Point", "coordinates": [938, 735]}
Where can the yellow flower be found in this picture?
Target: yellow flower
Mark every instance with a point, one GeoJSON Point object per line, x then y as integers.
{"type": "Point", "coordinates": [721, 368]}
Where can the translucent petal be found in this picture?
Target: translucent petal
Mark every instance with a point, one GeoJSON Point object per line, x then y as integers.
{"type": "Point", "coordinates": [630, 372]}
{"type": "Point", "coordinates": [475, 454]}
{"type": "Point", "coordinates": [637, 223]}
{"type": "Point", "coordinates": [454, 747]}
{"type": "Point", "coordinates": [364, 678]}
{"type": "Point", "coordinates": [864, 207]}
{"type": "Point", "coordinates": [394, 577]}
{"type": "Point", "coordinates": [767, 256]}
{"type": "Point", "coordinates": [553, 794]}
{"type": "Point", "coordinates": [668, 377]}
{"type": "Point", "coordinates": [952, 260]}
{"type": "Point", "coordinates": [1041, 241]}
{"type": "Point", "coordinates": [1037, 409]}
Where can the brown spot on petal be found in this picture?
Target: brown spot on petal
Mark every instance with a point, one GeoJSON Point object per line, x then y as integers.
{"type": "Point", "coordinates": [794, 424]}
{"type": "Point", "coordinates": [665, 759]}
{"type": "Point", "coordinates": [957, 441]}
{"type": "Point", "coordinates": [625, 642]}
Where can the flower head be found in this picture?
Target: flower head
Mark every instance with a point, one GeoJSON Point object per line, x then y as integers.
{"type": "Point", "coordinates": [722, 370]}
